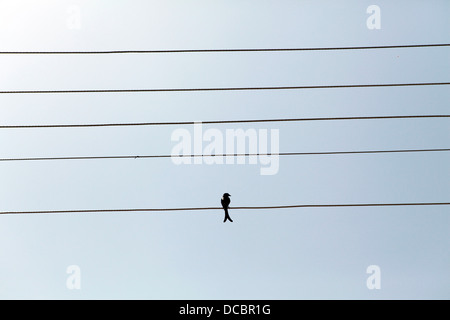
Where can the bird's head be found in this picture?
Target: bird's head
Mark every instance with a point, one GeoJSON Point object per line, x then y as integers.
{"type": "Point", "coordinates": [227, 195]}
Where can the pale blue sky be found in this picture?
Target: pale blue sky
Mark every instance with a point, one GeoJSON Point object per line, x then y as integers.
{"type": "Point", "coordinates": [271, 254]}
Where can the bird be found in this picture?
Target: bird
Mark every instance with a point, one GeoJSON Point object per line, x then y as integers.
{"type": "Point", "coordinates": [225, 203]}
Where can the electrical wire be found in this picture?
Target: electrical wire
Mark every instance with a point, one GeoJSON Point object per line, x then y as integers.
{"type": "Point", "coordinates": [221, 155]}
{"type": "Point", "coordinates": [339, 86]}
{"type": "Point", "coordinates": [31, 126]}
{"type": "Point", "coordinates": [233, 208]}
{"type": "Point", "coordinates": [223, 50]}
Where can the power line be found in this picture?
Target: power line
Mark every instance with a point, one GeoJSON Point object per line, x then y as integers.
{"type": "Point", "coordinates": [222, 155]}
{"type": "Point", "coordinates": [341, 86]}
{"type": "Point", "coordinates": [217, 121]}
{"type": "Point", "coordinates": [224, 50]}
{"type": "Point", "coordinates": [234, 208]}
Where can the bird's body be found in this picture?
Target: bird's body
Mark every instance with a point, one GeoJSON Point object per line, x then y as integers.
{"type": "Point", "coordinates": [225, 201]}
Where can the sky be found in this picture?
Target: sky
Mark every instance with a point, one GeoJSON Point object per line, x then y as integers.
{"type": "Point", "coordinates": [299, 253]}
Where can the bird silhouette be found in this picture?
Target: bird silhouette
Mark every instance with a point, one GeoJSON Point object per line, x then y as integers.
{"type": "Point", "coordinates": [225, 203]}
